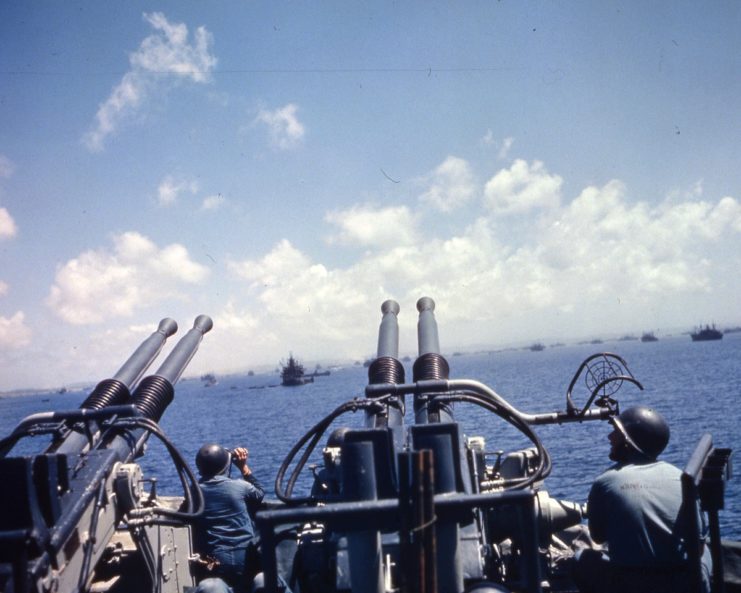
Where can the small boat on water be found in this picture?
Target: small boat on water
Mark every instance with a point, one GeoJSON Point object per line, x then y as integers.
{"type": "Point", "coordinates": [707, 333]}
{"type": "Point", "coordinates": [537, 347]}
{"type": "Point", "coordinates": [649, 337]}
{"type": "Point", "coordinates": [292, 373]}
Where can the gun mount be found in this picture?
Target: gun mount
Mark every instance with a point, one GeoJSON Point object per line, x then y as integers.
{"type": "Point", "coordinates": [395, 508]}
{"type": "Point", "coordinates": [421, 508]}
{"type": "Point", "coordinates": [73, 517]}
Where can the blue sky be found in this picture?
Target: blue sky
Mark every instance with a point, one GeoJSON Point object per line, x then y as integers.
{"type": "Point", "coordinates": [543, 170]}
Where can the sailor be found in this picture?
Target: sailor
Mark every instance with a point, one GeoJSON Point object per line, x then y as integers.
{"type": "Point", "coordinates": [226, 532]}
{"type": "Point", "coordinates": [635, 508]}
{"type": "Point", "coordinates": [327, 480]}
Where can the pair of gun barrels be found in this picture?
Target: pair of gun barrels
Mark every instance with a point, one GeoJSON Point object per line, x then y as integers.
{"type": "Point", "coordinates": [153, 393]}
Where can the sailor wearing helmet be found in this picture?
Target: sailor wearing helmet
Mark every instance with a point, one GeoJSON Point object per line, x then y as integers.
{"type": "Point", "coordinates": [635, 508]}
{"type": "Point", "coordinates": [225, 531]}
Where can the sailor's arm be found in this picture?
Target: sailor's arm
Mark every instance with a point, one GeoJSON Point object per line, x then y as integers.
{"type": "Point", "coordinates": [257, 492]}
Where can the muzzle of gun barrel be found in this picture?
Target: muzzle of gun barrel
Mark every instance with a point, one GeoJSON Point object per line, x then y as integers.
{"type": "Point", "coordinates": [155, 392]}
{"type": "Point", "coordinates": [386, 368]}
{"type": "Point", "coordinates": [430, 365]}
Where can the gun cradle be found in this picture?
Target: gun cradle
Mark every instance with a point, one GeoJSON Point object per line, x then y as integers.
{"type": "Point", "coordinates": [123, 566]}
{"type": "Point", "coordinates": [105, 537]}
{"type": "Point", "coordinates": [76, 518]}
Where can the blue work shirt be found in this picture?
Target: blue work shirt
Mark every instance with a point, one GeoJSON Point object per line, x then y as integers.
{"type": "Point", "coordinates": [635, 508]}
{"type": "Point", "coordinates": [226, 523]}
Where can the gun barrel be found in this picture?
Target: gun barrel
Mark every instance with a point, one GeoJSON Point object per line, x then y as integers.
{"type": "Point", "coordinates": [156, 391]}
{"type": "Point", "coordinates": [386, 368]}
{"type": "Point", "coordinates": [117, 390]}
{"type": "Point", "coordinates": [144, 355]}
{"type": "Point", "coordinates": [74, 489]}
{"type": "Point", "coordinates": [430, 365]}
{"type": "Point", "coordinates": [184, 350]}
{"type": "Point", "coordinates": [427, 337]}
{"type": "Point", "coordinates": [388, 332]}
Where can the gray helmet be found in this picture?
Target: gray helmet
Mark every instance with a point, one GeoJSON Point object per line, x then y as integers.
{"type": "Point", "coordinates": [337, 437]}
{"type": "Point", "coordinates": [212, 459]}
{"type": "Point", "coordinates": [644, 429]}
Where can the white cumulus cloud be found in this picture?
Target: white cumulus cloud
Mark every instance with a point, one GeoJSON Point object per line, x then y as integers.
{"type": "Point", "coordinates": [306, 300]}
{"type": "Point", "coordinates": [164, 58]}
{"type": "Point", "coordinates": [168, 50]}
{"type": "Point", "coordinates": [366, 226]}
{"type": "Point", "coordinates": [136, 273]}
{"type": "Point", "coordinates": [14, 333]}
{"type": "Point", "coordinates": [283, 260]}
{"type": "Point", "coordinates": [522, 188]}
{"type": "Point", "coordinates": [285, 130]}
{"type": "Point", "coordinates": [450, 185]}
{"type": "Point", "coordinates": [606, 243]}
{"type": "Point", "coordinates": [8, 228]}
{"type": "Point", "coordinates": [236, 320]}
{"type": "Point", "coordinates": [578, 260]}
{"type": "Point", "coordinates": [170, 188]}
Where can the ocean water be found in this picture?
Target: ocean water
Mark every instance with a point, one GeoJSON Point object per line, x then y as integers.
{"type": "Point", "coordinates": [696, 386]}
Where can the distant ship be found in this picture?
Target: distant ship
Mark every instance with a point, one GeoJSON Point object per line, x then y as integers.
{"type": "Point", "coordinates": [209, 380]}
{"type": "Point", "coordinates": [704, 334]}
{"type": "Point", "coordinates": [292, 373]}
{"type": "Point", "coordinates": [627, 338]}
{"type": "Point", "coordinates": [649, 337]}
{"type": "Point", "coordinates": [318, 372]}
{"type": "Point", "coordinates": [537, 347]}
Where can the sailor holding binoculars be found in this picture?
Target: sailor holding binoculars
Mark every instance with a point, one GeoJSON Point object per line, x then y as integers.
{"type": "Point", "coordinates": [226, 533]}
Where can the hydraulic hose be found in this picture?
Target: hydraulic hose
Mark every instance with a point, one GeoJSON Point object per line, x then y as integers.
{"type": "Point", "coordinates": [188, 479]}
{"type": "Point", "coordinates": [544, 465]}
{"type": "Point", "coordinates": [312, 436]}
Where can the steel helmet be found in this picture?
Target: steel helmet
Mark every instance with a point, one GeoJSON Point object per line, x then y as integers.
{"type": "Point", "coordinates": [644, 429]}
{"type": "Point", "coordinates": [212, 459]}
{"type": "Point", "coordinates": [337, 437]}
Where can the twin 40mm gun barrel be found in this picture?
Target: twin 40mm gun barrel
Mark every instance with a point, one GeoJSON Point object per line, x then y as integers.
{"type": "Point", "coordinates": [156, 392]}
{"type": "Point", "coordinates": [117, 390]}
{"type": "Point", "coordinates": [386, 369]}
{"type": "Point", "coordinates": [55, 517]}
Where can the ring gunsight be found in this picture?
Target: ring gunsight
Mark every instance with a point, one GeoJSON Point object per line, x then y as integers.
{"type": "Point", "coordinates": [422, 507]}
